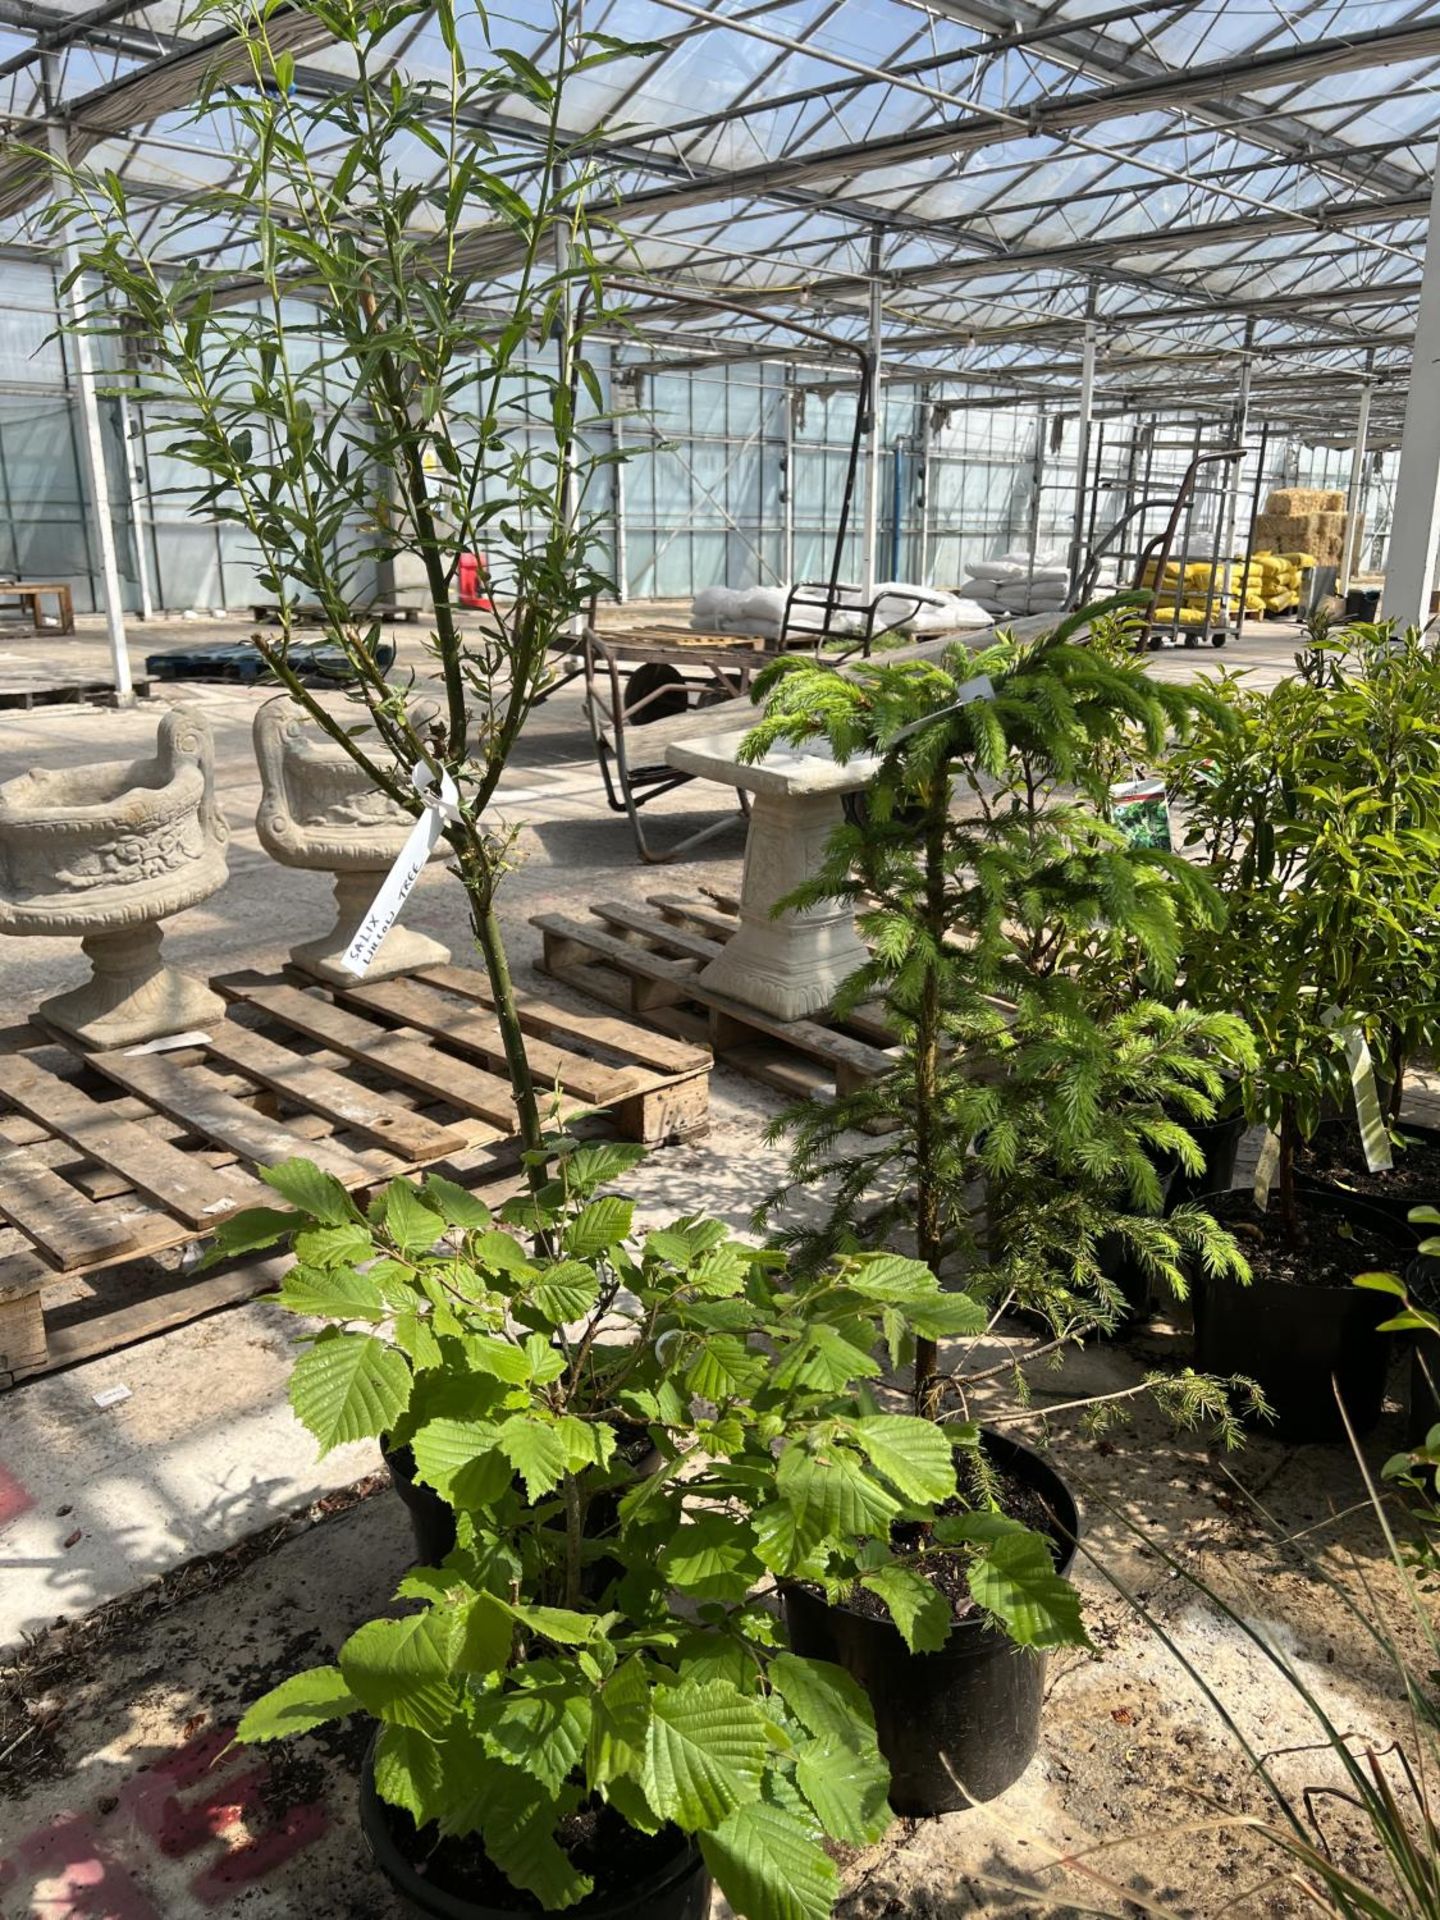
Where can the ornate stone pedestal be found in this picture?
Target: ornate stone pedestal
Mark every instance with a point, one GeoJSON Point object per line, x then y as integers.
{"type": "Point", "coordinates": [788, 964]}
{"type": "Point", "coordinates": [108, 852]}
{"type": "Point", "coordinates": [318, 810]}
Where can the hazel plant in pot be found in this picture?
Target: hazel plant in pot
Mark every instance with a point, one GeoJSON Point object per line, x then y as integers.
{"type": "Point", "coordinates": [594, 1683]}
{"type": "Point", "coordinates": [1314, 888]}
{"type": "Point", "coordinates": [385, 373]}
{"type": "Point", "coordinates": [1024, 953]}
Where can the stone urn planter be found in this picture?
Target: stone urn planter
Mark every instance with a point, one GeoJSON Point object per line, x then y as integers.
{"type": "Point", "coordinates": [318, 810]}
{"type": "Point", "coordinates": [108, 852]}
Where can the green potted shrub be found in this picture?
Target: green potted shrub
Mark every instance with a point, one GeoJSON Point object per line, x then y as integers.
{"type": "Point", "coordinates": [1373, 818]}
{"type": "Point", "coordinates": [639, 1436]}
{"type": "Point", "coordinates": [1277, 815]}
{"type": "Point", "coordinates": [1022, 948]}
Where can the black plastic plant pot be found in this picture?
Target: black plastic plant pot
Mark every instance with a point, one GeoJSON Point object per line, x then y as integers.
{"type": "Point", "coordinates": [432, 1521]}
{"type": "Point", "coordinates": [677, 1888]}
{"type": "Point", "coordinates": [1302, 1343]}
{"type": "Point", "coordinates": [1422, 1279]}
{"type": "Point", "coordinates": [1121, 1268]}
{"type": "Point", "coordinates": [959, 1726]}
{"type": "Point", "coordinates": [1219, 1141]}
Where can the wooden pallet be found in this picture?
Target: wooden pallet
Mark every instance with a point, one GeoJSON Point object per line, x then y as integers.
{"type": "Point", "coordinates": [114, 1165]}
{"type": "Point", "coordinates": [314, 615]}
{"type": "Point", "coordinates": [647, 961]}
{"type": "Point", "coordinates": [20, 689]}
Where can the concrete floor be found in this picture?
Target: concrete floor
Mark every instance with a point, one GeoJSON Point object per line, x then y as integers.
{"type": "Point", "coordinates": [106, 1749]}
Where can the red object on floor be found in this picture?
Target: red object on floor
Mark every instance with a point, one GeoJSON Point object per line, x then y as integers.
{"type": "Point", "coordinates": [14, 1498]}
{"type": "Point", "coordinates": [470, 574]}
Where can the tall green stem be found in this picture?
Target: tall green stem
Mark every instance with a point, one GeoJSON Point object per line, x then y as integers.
{"type": "Point", "coordinates": [1289, 1134]}
{"type": "Point", "coordinates": [574, 1539]}
{"type": "Point", "coordinates": [486, 924]}
{"type": "Point", "coordinates": [928, 1213]}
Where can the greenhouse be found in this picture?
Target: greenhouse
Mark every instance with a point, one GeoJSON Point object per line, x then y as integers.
{"type": "Point", "coordinates": [892, 1365]}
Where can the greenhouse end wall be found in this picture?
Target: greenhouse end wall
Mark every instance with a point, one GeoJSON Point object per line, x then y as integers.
{"type": "Point", "coordinates": [734, 478]}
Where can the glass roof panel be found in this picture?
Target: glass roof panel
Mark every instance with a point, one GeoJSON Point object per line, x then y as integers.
{"type": "Point", "coordinates": [950, 139]}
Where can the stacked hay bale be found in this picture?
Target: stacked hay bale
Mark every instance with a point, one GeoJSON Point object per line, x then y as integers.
{"type": "Point", "coordinates": [1200, 589]}
{"type": "Point", "coordinates": [1304, 520]}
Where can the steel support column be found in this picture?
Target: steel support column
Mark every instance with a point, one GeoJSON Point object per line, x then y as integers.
{"type": "Point", "coordinates": [922, 485]}
{"type": "Point", "coordinates": [1411, 564]}
{"type": "Point", "coordinates": [93, 447]}
{"type": "Point", "coordinates": [142, 529]}
{"type": "Point", "coordinates": [1355, 493]}
{"type": "Point", "coordinates": [620, 556]}
{"type": "Point", "coordinates": [874, 454]}
{"type": "Point", "coordinates": [1082, 444]}
{"type": "Point", "coordinates": [1233, 469]}
{"type": "Point", "coordinates": [790, 400]}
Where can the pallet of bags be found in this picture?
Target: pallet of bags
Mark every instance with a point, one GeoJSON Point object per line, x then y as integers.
{"type": "Point", "coordinates": [899, 607]}
{"type": "Point", "coordinates": [1279, 577]}
{"type": "Point", "coordinates": [1020, 583]}
{"type": "Point", "coordinates": [1203, 584]}
{"type": "Point", "coordinates": [752, 611]}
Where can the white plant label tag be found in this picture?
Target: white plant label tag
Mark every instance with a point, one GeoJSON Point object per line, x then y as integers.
{"type": "Point", "coordinates": [409, 865]}
{"type": "Point", "coordinates": [1373, 1136]}
{"type": "Point", "coordinates": [1266, 1168]}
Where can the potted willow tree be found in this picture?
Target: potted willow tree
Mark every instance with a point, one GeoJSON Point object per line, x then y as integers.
{"type": "Point", "coordinates": [1023, 950]}
{"type": "Point", "coordinates": [339, 384]}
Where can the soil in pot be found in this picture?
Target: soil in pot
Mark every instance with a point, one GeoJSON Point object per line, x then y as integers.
{"type": "Point", "coordinates": [1336, 1158]}
{"type": "Point", "coordinates": [1301, 1323]}
{"type": "Point", "coordinates": [637, 1876]}
{"type": "Point", "coordinates": [960, 1725]}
